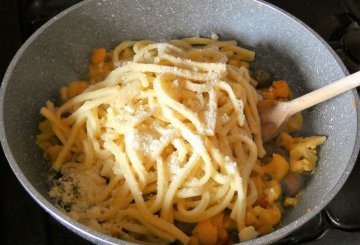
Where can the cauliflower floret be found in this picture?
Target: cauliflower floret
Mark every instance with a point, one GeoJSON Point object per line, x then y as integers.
{"type": "Point", "coordinates": [311, 142]}
{"type": "Point", "coordinates": [302, 159]}
{"type": "Point", "coordinates": [303, 156]}
{"type": "Point", "coordinates": [263, 219]}
{"type": "Point", "coordinates": [272, 191]}
{"type": "Point", "coordinates": [248, 233]}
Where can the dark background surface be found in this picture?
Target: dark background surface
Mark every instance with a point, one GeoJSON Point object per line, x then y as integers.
{"type": "Point", "coordinates": [22, 221]}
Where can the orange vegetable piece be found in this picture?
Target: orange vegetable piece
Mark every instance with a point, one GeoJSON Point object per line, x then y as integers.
{"type": "Point", "coordinates": [263, 219]}
{"type": "Point", "coordinates": [100, 66]}
{"type": "Point", "coordinates": [234, 62]}
{"type": "Point", "coordinates": [98, 55]}
{"type": "Point", "coordinates": [269, 94]}
{"type": "Point", "coordinates": [217, 220]}
{"type": "Point", "coordinates": [272, 191]}
{"type": "Point", "coordinates": [223, 237]}
{"type": "Point", "coordinates": [281, 89]}
{"type": "Point", "coordinates": [302, 159]}
{"type": "Point", "coordinates": [75, 88]}
{"type": "Point", "coordinates": [291, 201]}
{"type": "Point", "coordinates": [285, 140]}
{"type": "Point", "coordinates": [278, 167]}
{"type": "Point", "coordinates": [229, 223]}
{"type": "Point", "coordinates": [206, 232]}
{"type": "Point", "coordinates": [193, 241]}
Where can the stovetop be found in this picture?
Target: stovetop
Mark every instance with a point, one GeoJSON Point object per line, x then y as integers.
{"type": "Point", "coordinates": [22, 221]}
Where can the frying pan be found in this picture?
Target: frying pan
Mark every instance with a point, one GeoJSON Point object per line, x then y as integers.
{"type": "Point", "coordinates": [59, 53]}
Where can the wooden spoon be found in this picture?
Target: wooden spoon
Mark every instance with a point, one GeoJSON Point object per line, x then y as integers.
{"type": "Point", "coordinates": [274, 114]}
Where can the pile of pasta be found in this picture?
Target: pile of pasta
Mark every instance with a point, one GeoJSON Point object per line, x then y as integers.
{"type": "Point", "coordinates": [162, 134]}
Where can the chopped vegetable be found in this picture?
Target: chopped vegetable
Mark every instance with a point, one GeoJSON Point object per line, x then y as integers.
{"type": "Point", "coordinates": [285, 140]}
{"type": "Point", "coordinates": [290, 201]}
{"type": "Point", "coordinates": [100, 66]}
{"type": "Point", "coordinates": [75, 88]}
{"type": "Point", "coordinates": [277, 168]}
{"type": "Point", "coordinates": [272, 191]}
{"type": "Point", "coordinates": [311, 142]}
{"type": "Point", "coordinates": [193, 241]}
{"type": "Point", "coordinates": [263, 78]}
{"type": "Point", "coordinates": [263, 219]}
{"type": "Point", "coordinates": [206, 232]}
{"type": "Point", "coordinates": [292, 184]}
{"type": "Point", "coordinates": [302, 159]}
{"type": "Point", "coordinates": [248, 233]}
{"type": "Point", "coordinates": [98, 55]}
{"type": "Point", "coordinates": [281, 89]}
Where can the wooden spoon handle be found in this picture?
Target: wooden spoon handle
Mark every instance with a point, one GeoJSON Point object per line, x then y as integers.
{"type": "Point", "coordinates": [324, 93]}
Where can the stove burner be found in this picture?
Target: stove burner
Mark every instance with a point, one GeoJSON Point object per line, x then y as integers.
{"type": "Point", "coordinates": [333, 27]}
{"type": "Point", "coordinates": [352, 7]}
{"type": "Point", "coordinates": [338, 224]}
{"type": "Point", "coordinates": [37, 12]}
{"type": "Point", "coordinates": [351, 41]}
{"type": "Point", "coordinates": [342, 31]}
{"type": "Point", "coordinates": [312, 230]}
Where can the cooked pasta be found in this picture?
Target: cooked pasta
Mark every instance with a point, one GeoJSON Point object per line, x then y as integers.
{"type": "Point", "coordinates": [170, 133]}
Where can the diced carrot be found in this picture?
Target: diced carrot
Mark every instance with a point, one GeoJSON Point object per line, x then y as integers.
{"type": "Point", "coordinates": [223, 237]}
{"type": "Point", "coordinates": [269, 94]}
{"type": "Point", "coordinates": [278, 167]}
{"type": "Point", "coordinates": [234, 62]}
{"type": "Point", "coordinates": [205, 232]}
{"type": "Point", "coordinates": [75, 88]}
{"type": "Point", "coordinates": [193, 241]}
{"type": "Point", "coordinates": [94, 73]}
{"type": "Point", "coordinates": [100, 67]}
{"type": "Point", "coordinates": [98, 55]}
{"type": "Point", "coordinates": [63, 93]}
{"type": "Point", "coordinates": [281, 89]}
{"type": "Point", "coordinates": [229, 223]}
{"type": "Point", "coordinates": [251, 219]}
{"type": "Point", "coordinates": [217, 220]}
{"type": "Point", "coordinates": [285, 140]}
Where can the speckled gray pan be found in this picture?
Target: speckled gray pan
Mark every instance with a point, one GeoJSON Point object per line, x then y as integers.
{"type": "Point", "coordinates": [59, 52]}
